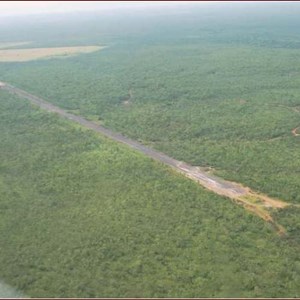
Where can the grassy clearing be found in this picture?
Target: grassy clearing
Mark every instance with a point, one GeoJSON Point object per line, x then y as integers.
{"type": "Point", "coordinates": [21, 55]}
{"type": "Point", "coordinates": [82, 216]}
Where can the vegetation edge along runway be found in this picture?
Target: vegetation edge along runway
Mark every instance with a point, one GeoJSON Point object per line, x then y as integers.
{"type": "Point", "coordinates": [258, 203]}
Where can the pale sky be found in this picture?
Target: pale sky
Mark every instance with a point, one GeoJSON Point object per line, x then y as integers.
{"type": "Point", "coordinates": [34, 7]}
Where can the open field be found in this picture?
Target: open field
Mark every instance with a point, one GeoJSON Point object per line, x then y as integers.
{"type": "Point", "coordinates": [21, 55]}
{"type": "Point", "coordinates": [82, 216]}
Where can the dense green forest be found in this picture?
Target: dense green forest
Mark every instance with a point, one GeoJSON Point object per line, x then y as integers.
{"type": "Point", "coordinates": [215, 87]}
{"type": "Point", "coordinates": [82, 216]}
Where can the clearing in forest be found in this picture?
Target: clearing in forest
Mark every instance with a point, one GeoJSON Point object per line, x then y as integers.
{"type": "Point", "coordinates": [19, 55]}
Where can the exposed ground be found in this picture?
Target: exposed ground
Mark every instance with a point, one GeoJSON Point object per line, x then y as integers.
{"type": "Point", "coordinates": [21, 55]}
{"type": "Point", "coordinates": [127, 101]}
{"type": "Point", "coordinates": [258, 203]}
{"type": "Point", "coordinates": [295, 131]}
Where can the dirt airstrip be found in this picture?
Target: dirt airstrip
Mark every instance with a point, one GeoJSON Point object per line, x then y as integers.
{"type": "Point", "coordinates": [260, 204]}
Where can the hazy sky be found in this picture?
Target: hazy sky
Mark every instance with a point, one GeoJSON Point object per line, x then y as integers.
{"type": "Point", "coordinates": [30, 7]}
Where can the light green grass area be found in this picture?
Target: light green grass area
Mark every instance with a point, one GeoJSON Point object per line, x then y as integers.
{"type": "Point", "coordinates": [82, 216]}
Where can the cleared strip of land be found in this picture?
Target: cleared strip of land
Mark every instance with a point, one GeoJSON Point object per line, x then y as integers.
{"type": "Point", "coordinates": [251, 200]}
{"type": "Point", "coordinates": [21, 55]}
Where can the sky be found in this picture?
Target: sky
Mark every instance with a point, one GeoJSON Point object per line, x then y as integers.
{"type": "Point", "coordinates": [36, 7]}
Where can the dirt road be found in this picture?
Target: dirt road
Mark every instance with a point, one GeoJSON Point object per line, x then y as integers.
{"type": "Point", "coordinates": [218, 185]}
{"type": "Point", "coordinates": [251, 200]}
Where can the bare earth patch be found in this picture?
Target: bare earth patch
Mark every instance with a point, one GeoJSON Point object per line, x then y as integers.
{"type": "Point", "coordinates": [21, 55]}
{"type": "Point", "coordinates": [296, 131]}
{"type": "Point", "coordinates": [126, 102]}
{"type": "Point", "coordinates": [258, 203]}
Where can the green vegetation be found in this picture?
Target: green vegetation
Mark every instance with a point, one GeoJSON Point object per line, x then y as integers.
{"type": "Point", "coordinates": [82, 216]}
{"type": "Point", "coordinates": [213, 88]}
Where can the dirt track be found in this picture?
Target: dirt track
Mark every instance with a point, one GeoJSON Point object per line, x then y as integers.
{"type": "Point", "coordinates": [218, 185]}
{"type": "Point", "coordinates": [251, 200]}
{"type": "Point", "coordinates": [295, 131]}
